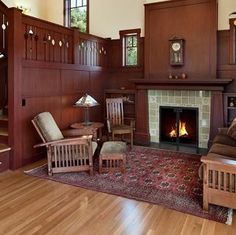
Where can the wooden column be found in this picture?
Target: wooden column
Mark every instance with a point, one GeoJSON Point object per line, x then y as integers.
{"type": "Point", "coordinates": [142, 135]}
{"type": "Point", "coordinates": [15, 52]}
{"type": "Point", "coordinates": [217, 117]}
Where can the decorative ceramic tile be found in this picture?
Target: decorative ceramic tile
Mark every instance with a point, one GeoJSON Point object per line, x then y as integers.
{"type": "Point", "coordinates": [195, 99]}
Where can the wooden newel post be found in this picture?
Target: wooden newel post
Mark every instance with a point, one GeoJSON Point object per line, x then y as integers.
{"type": "Point", "coordinates": [15, 54]}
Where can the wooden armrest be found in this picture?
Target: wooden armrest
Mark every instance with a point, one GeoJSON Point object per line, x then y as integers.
{"type": "Point", "coordinates": [223, 130]}
{"type": "Point", "coordinates": [218, 161]}
{"type": "Point", "coordinates": [76, 132]}
{"type": "Point", "coordinates": [66, 141]}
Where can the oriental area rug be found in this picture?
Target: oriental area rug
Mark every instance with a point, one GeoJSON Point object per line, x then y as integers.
{"type": "Point", "coordinates": [161, 177]}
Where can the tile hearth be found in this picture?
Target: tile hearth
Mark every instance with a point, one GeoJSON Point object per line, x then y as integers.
{"type": "Point", "coordinates": [180, 98]}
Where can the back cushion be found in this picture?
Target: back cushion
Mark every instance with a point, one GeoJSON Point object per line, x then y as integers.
{"type": "Point", "coordinates": [48, 127]}
{"type": "Point", "coordinates": [232, 129]}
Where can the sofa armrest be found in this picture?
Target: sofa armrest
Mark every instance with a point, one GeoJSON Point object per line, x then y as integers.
{"type": "Point", "coordinates": [223, 130]}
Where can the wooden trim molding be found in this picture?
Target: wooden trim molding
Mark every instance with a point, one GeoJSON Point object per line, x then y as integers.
{"type": "Point", "coordinates": [232, 42]}
{"type": "Point", "coordinates": [184, 84]}
{"type": "Point", "coordinates": [123, 34]}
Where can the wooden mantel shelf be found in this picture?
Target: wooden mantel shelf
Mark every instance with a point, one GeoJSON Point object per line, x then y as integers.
{"type": "Point", "coordinates": [182, 84]}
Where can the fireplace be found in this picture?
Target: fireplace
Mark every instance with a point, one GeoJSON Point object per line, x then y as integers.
{"type": "Point", "coordinates": [178, 125]}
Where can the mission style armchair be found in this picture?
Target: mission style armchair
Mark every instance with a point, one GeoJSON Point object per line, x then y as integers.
{"type": "Point", "coordinates": [115, 119]}
{"type": "Point", "coordinates": [219, 170]}
{"type": "Point", "coordinates": [64, 154]}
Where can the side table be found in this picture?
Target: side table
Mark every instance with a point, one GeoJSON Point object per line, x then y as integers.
{"type": "Point", "coordinates": [95, 128]}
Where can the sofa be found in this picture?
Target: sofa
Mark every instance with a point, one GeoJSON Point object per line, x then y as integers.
{"type": "Point", "coordinates": [218, 169]}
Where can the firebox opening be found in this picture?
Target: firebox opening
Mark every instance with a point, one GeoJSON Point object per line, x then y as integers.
{"type": "Point", "coordinates": [179, 125]}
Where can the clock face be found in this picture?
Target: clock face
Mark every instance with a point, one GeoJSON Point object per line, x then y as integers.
{"type": "Point", "coordinates": [176, 46]}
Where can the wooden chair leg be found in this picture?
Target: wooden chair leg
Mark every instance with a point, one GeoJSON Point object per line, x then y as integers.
{"type": "Point", "coordinates": [91, 171]}
{"type": "Point", "coordinates": [131, 139]}
{"type": "Point", "coordinates": [205, 205]}
{"type": "Point", "coordinates": [205, 188]}
{"type": "Point", "coordinates": [100, 164]}
{"type": "Point", "coordinates": [49, 156]}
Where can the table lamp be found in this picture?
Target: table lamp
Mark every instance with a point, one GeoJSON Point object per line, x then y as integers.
{"type": "Point", "coordinates": [86, 102]}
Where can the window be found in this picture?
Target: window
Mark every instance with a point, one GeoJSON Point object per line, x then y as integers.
{"type": "Point", "coordinates": [130, 45]}
{"type": "Point", "coordinates": [76, 14]}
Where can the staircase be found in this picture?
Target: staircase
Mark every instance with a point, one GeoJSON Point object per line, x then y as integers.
{"type": "Point", "coordinates": [3, 129]}
{"type": "Point", "coordinates": [4, 148]}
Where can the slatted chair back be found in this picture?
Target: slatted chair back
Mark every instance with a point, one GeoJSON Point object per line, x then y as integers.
{"type": "Point", "coordinates": [115, 111]}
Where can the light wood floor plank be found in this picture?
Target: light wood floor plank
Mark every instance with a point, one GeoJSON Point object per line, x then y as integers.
{"type": "Point", "coordinates": [31, 205]}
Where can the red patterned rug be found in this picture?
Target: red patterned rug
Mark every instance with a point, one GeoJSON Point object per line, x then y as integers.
{"type": "Point", "coordinates": [156, 176]}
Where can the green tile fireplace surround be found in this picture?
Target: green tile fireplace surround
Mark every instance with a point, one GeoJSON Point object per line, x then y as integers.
{"type": "Point", "coordinates": [180, 98]}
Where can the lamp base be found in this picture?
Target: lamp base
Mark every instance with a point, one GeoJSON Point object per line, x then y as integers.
{"type": "Point", "coordinates": [87, 123]}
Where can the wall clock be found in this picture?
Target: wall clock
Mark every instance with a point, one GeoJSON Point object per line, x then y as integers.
{"type": "Point", "coordinates": [176, 52]}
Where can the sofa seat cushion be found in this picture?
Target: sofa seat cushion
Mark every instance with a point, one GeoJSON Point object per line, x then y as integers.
{"type": "Point", "coordinates": [224, 150]}
{"type": "Point", "coordinates": [224, 139]}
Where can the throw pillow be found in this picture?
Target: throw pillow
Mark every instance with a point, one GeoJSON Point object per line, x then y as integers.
{"type": "Point", "coordinates": [232, 129]}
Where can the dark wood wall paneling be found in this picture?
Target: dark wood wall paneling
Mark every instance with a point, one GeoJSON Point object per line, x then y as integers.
{"type": "Point", "coordinates": [55, 66]}
{"type": "Point", "coordinates": [225, 69]}
{"type": "Point", "coordinates": [192, 20]}
{"type": "Point", "coordinates": [59, 65]}
{"type": "Point", "coordinates": [195, 21]}
{"type": "Point", "coordinates": [3, 51]}
{"type": "Point", "coordinates": [119, 76]}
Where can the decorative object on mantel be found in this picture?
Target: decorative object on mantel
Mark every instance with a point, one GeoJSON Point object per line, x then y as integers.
{"type": "Point", "coordinates": [180, 76]}
{"type": "Point", "coordinates": [161, 177]}
{"type": "Point", "coordinates": [176, 51]}
{"type": "Point", "coordinates": [24, 9]}
{"type": "Point", "coordinates": [86, 102]}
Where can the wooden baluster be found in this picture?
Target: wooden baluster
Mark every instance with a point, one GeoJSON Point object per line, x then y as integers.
{"type": "Point", "coordinates": [55, 155]}
{"type": "Point", "coordinates": [225, 181]}
{"type": "Point", "coordinates": [214, 179]}
{"type": "Point", "coordinates": [231, 182]}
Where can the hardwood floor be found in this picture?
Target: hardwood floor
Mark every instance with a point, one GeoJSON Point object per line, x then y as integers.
{"type": "Point", "coordinates": [31, 205]}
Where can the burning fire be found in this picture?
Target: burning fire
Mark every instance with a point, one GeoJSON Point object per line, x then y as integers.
{"type": "Point", "coordinates": [182, 130]}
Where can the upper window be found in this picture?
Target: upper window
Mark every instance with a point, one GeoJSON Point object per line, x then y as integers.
{"type": "Point", "coordinates": [76, 14]}
{"type": "Point", "coordinates": [130, 47]}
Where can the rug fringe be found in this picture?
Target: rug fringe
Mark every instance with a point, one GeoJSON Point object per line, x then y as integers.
{"type": "Point", "coordinates": [229, 217]}
{"type": "Point", "coordinates": [28, 171]}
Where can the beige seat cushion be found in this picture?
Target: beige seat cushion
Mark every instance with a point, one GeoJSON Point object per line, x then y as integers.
{"type": "Point", "coordinates": [111, 147]}
{"type": "Point", "coordinates": [48, 127]}
{"type": "Point", "coordinates": [232, 129]}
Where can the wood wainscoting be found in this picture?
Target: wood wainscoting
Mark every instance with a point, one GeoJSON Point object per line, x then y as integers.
{"type": "Point", "coordinates": [49, 68]}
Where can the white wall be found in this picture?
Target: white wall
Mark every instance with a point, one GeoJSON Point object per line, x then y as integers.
{"type": "Point", "coordinates": [37, 7]}
{"type": "Point", "coordinates": [107, 17]}
{"type": "Point", "coordinates": [225, 8]}
{"type": "Point", "coordinates": [54, 11]}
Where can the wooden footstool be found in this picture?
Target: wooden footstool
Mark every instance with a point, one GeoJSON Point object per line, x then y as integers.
{"type": "Point", "coordinates": [112, 156]}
